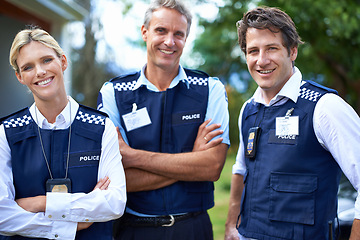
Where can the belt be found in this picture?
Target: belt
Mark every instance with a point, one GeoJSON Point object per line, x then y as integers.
{"type": "Point", "coordinates": [159, 221]}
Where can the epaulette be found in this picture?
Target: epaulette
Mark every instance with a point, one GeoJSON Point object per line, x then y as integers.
{"type": "Point", "coordinates": [196, 71]}
{"type": "Point", "coordinates": [126, 77]}
{"type": "Point", "coordinates": [10, 115]}
{"type": "Point", "coordinates": [94, 110]}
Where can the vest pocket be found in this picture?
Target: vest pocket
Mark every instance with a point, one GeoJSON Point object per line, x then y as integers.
{"type": "Point", "coordinates": [292, 197]}
{"type": "Point", "coordinates": [21, 136]}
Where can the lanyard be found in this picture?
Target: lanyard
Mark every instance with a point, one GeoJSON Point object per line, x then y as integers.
{"type": "Point", "coordinates": [42, 145]}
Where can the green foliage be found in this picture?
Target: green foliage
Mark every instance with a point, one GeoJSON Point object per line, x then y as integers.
{"type": "Point", "coordinates": [331, 32]}
{"type": "Point", "coordinates": [218, 213]}
{"type": "Point", "coordinates": [235, 103]}
{"type": "Point", "coordinates": [329, 28]}
{"type": "Point", "coordinates": [218, 43]}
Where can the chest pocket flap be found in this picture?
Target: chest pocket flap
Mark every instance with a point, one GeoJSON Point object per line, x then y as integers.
{"type": "Point", "coordinates": [20, 136]}
{"type": "Point", "coordinates": [292, 197]}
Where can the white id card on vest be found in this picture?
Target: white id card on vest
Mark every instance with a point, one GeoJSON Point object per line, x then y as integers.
{"type": "Point", "coordinates": [136, 119]}
{"type": "Point", "coordinates": [287, 126]}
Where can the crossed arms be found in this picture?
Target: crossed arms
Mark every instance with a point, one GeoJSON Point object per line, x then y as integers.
{"type": "Point", "coordinates": [146, 170]}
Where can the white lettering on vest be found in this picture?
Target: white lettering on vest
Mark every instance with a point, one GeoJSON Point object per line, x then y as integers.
{"type": "Point", "coordinates": [292, 137]}
{"type": "Point", "coordinates": [90, 158]}
{"type": "Point", "coordinates": [191, 116]}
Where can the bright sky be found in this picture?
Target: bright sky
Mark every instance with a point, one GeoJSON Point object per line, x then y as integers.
{"type": "Point", "coordinates": [119, 31]}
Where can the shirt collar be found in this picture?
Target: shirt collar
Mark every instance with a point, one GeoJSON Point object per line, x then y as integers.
{"type": "Point", "coordinates": [63, 120]}
{"type": "Point", "coordinates": [144, 81]}
{"type": "Point", "coordinates": [289, 91]}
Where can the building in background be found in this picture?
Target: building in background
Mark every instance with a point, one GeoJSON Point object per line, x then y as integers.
{"type": "Point", "coordinates": [54, 16]}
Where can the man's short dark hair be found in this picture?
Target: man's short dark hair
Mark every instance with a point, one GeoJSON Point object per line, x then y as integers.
{"type": "Point", "coordinates": [272, 19]}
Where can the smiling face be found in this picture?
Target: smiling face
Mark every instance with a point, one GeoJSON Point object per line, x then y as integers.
{"type": "Point", "coordinates": [268, 60]}
{"type": "Point", "coordinates": [165, 39]}
{"type": "Point", "coordinates": [41, 70]}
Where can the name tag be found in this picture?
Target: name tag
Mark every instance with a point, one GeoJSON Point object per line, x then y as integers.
{"type": "Point", "coordinates": [286, 126]}
{"type": "Point", "coordinates": [136, 119]}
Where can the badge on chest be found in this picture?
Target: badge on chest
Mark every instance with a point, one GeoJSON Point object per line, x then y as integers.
{"type": "Point", "coordinates": [62, 185]}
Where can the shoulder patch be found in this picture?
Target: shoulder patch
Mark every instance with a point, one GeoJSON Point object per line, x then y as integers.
{"type": "Point", "coordinates": [198, 81]}
{"type": "Point", "coordinates": [309, 94]}
{"type": "Point", "coordinates": [312, 91]}
{"type": "Point", "coordinates": [124, 86]}
{"type": "Point", "coordinates": [197, 77]}
{"type": "Point", "coordinates": [18, 121]}
{"type": "Point", "coordinates": [125, 82]}
{"type": "Point", "coordinates": [90, 118]}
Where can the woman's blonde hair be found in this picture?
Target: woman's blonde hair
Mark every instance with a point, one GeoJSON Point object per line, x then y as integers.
{"type": "Point", "coordinates": [26, 36]}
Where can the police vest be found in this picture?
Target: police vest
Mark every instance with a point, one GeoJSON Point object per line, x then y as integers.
{"type": "Point", "coordinates": [29, 166]}
{"type": "Point", "coordinates": [175, 115]}
{"type": "Point", "coordinates": [292, 182]}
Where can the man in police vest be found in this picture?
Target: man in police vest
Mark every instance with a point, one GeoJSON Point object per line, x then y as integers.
{"type": "Point", "coordinates": [174, 133]}
{"type": "Point", "coordinates": [295, 138]}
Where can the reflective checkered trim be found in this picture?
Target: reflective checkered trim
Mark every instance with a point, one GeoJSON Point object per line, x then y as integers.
{"type": "Point", "coordinates": [197, 81]}
{"type": "Point", "coordinates": [125, 86]}
{"type": "Point", "coordinates": [90, 118]}
{"type": "Point", "coordinates": [18, 122]}
{"type": "Point", "coordinates": [309, 94]}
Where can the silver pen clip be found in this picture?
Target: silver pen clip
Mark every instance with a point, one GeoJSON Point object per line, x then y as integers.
{"type": "Point", "coordinates": [134, 107]}
{"type": "Point", "coordinates": [289, 112]}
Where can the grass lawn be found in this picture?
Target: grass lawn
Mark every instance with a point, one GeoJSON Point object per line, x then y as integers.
{"type": "Point", "coordinates": [218, 213]}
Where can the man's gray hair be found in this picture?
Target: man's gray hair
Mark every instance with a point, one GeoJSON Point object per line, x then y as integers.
{"type": "Point", "coordinates": [178, 5]}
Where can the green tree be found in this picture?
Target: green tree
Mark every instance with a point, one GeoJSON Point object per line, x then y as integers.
{"type": "Point", "coordinates": [330, 54]}
{"type": "Point", "coordinates": [88, 73]}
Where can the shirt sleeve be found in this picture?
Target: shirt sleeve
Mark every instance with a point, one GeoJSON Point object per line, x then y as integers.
{"type": "Point", "coordinates": [107, 104]}
{"type": "Point", "coordinates": [98, 205]}
{"type": "Point", "coordinates": [217, 109]}
{"type": "Point", "coordinates": [239, 167]}
{"type": "Point", "coordinates": [14, 220]}
{"type": "Point", "coordinates": [337, 127]}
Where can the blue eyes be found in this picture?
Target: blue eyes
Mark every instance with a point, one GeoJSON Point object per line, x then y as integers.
{"type": "Point", "coordinates": [30, 66]}
{"type": "Point", "coordinates": [47, 60]}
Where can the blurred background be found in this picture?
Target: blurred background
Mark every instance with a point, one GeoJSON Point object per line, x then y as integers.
{"type": "Point", "coordinates": [102, 40]}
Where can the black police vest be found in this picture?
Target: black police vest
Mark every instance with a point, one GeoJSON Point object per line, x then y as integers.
{"type": "Point", "coordinates": [291, 185]}
{"type": "Point", "coordinates": [29, 166]}
{"type": "Point", "coordinates": [175, 115]}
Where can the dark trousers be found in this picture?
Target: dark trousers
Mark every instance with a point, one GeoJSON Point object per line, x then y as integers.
{"type": "Point", "coordinates": [195, 228]}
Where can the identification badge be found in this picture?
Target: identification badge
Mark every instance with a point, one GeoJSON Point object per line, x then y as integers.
{"type": "Point", "coordinates": [136, 119]}
{"type": "Point", "coordinates": [251, 146]}
{"type": "Point", "coordinates": [62, 185]}
{"type": "Point", "coordinates": [286, 126]}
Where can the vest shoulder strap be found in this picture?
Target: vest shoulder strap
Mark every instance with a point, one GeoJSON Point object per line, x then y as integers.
{"type": "Point", "coordinates": [13, 114]}
{"type": "Point", "coordinates": [17, 119]}
{"type": "Point", "coordinates": [196, 73]}
{"type": "Point", "coordinates": [127, 77]}
{"type": "Point", "coordinates": [93, 111]}
{"type": "Point", "coordinates": [313, 91]}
